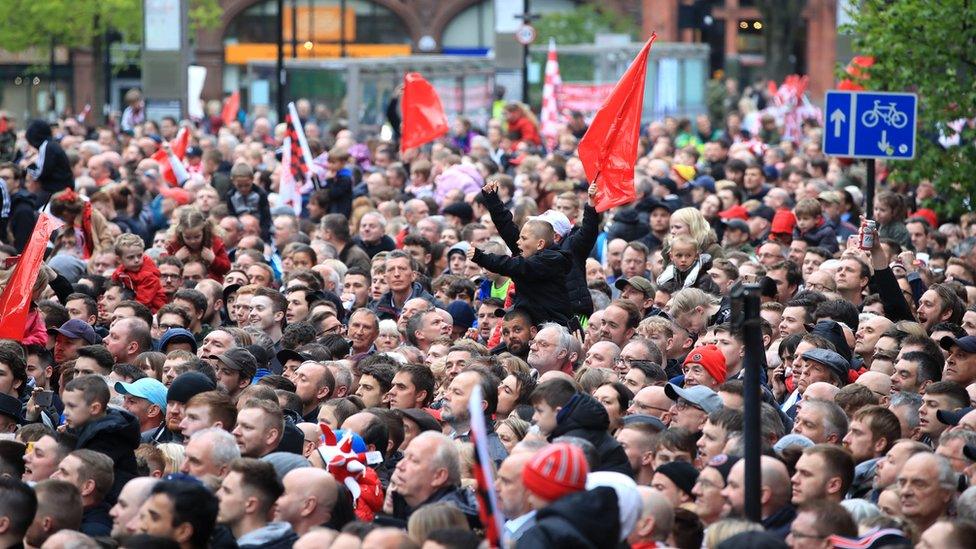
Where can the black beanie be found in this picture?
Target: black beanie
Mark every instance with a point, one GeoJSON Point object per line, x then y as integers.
{"type": "Point", "coordinates": [187, 385]}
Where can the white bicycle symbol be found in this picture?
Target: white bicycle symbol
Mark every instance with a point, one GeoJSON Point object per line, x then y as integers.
{"type": "Point", "coordinates": [889, 113]}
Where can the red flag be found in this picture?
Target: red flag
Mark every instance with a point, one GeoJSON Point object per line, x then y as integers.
{"type": "Point", "coordinates": [16, 297]}
{"type": "Point", "coordinates": [231, 107]}
{"type": "Point", "coordinates": [423, 115]}
{"type": "Point", "coordinates": [179, 146]}
{"type": "Point", "coordinates": [609, 148]}
{"type": "Point", "coordinates": [551, 120]}
{"type": "Point", "coordinates": [485, 483]}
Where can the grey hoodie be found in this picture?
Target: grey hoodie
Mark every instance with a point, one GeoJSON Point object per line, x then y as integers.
{"type": "Point", "coordinates": [274, 535]}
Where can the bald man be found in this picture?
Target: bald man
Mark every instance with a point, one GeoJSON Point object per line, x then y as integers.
{"type": "Point", "coordinates": [316, 538]}
{"type": "Point", "coordinates": [656, 520]}
{"type": "Point", "coordinates": [513, 499]}
{"type": "Point", "coordinates": [774, 499]}
{"type": "Point", "coordinates": [133, 495]}
{"type": "Point", "coordinates": [309, 497]}
{"type": "Point", "coordinates": [821, 390]}
{"type": "Point", "coordinates": [879, 384]}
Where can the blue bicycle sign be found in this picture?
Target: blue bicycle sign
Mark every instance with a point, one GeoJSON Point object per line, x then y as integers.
{"type": "Point", "coordinates": [889, 114]}
{"type": "Point", "coordinates": [870, 124]}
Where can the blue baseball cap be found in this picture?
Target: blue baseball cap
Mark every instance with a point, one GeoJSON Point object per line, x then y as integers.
{"type": "Point", "coordinates": [148, 388]}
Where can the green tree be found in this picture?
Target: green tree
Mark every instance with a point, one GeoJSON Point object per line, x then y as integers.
{"type": "Point", "coordinates": [928, 48]}
{"type": "Point", "coordinates": [42, 24]}
{"type": "Point", "coordinates": [581, 25]}
{"type": "Point", "coordinates": [782, 20]}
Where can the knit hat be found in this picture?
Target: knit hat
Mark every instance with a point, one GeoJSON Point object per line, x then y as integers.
{"type": "Point", "coordinates": [735, 212]}
{"type": "Point", "coordinates": [681, 473]}
{"type": "Point", "coordinates": [187, 385]}
{"type": "Point", "coordinates": [177, 335]}
{"type": "Point", "coordinates": [462, 314]}
{"type": "Point", "coordinates": [461, 210]}
{"type": "Point", "coordinates": [783, 222]}
{"type": "Point", "coordinates": [556, 471]}
{"type": "Point", "coordinates": [284, 462]}
{"type": "Point", "coordinates": [628, 498]}
{"type": "Point", "coordinates": [684, 172]}
{"type": "Point", "coordinates": [723, 463]}
{"type": "Point", "coordinates": [710, 358]}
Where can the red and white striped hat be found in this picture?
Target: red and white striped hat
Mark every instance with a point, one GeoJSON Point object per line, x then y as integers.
{"type": "Point", "coordinates": [555, 471]}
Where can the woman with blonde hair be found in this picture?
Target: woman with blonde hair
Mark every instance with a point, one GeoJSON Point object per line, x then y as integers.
{"type": "Point", "coordinates": [690, 221]}
{"type": "Point", "coordinates": [428, 518]}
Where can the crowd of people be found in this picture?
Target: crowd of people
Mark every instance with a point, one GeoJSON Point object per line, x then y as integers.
{"type": "Point", "coordinates": [202, 366]}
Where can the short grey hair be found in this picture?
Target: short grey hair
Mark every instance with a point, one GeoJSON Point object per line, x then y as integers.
{"type": "Point", "coordinates": [911, 401]}
{"type": "Point", "coordinates": [341, 373]}
{"type": "Point", "coordinates": [966, 505]}
{"type": "Point", "coordinates": [223, 445]}
{"type": "Point", "coordinates": [565, 338]}
{"type": "Point", "coordinates": [600, 300]}
{"type": "Point", "coordinates": [835, 421]}
{"type": "Point", "coordinates": [379, 218]}
{"type": "Point", "coordinates": [445, 455]}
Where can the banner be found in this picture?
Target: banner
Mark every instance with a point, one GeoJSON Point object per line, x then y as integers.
{"type": "Point", "coordinates": [16, 296]}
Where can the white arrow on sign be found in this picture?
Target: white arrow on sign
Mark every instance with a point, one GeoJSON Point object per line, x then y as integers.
{"type": "Point", "coordinates": [883, 144]}
{"type": "Point", "coordinates": [838, 118]}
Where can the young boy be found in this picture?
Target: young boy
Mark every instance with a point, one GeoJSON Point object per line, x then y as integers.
{"type": "Point", "coordinates": [561, 411]}
{"type": "Point", "coordinates": [339, 183]}
{"type": "Point", "coordinates": [539, 273]}
{"type": "Point", "coordinates": [138, 272]}
{"type": "Point", "coordinates": [567, 514]}
{"type": "Point", "coordinates": [688, 267]}
{"type": "Point", "coordinates": [812, 227]}
{"type": "Point", "coordinates": [112, 432]}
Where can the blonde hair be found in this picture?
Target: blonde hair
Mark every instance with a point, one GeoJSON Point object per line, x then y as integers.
{"type": "Point", "coordinates": [698, 226]}
{"type": "Point", "coordinates": [687, 299]}
{"type": "Point", "coordinates": [128, 240]}
{"type": "Point", "coordinates": [173, 454]}
{"type": "Point", "coordinates": [726, 528]}
{"type": "Point", "coordinates": [428, 518]}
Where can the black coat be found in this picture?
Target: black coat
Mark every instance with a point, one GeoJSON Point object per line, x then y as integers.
{"type": "Point", "coordinates": [823, 236]}
{"type": "Point", "coordinates": [579, 243]}
{"type": "Point", "coordinates": [385, 244]}
{"type": "Point", "coordinates": [116, 434]}
{"type": "Point", "coordinates": [540, 282]}
{"type": "Point", "coordinates": [586, 418]}
{"type": "Point", "coordinates": [263, 210]}
{"type": "Point", "coordinates": [585, 520]}
{"type": "Point", "coordinates": [23, 216]}
{"type": "Point", "coordinates": [55, 173]}
{"type": "Point", "coordinates": [460, 498]}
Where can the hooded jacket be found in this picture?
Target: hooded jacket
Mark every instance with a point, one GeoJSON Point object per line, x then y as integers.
{"type": "Point", "coordinates": [54, 171]}
{"type": "Point", "coordinates": [578, 243]}
{"type": "Point", "coordinates": [455, 496]}
{"type": "Point", "coordinates": [584, 520]}
{"type": "Point", "coordinates": [540, 282]}
{"type": "Point", "coordinates": [823, 235]}
{"type": "Point", "coordinates": [144, 282]}
{"type": "Point", "coordinates": [116, 434]}
{"type": "Point", "coordinates": [583, 416]}
{"type": "Point", "coordinates": [274, 535]}
{"type": "Point", "coordinates": [23, 216]}
{"type": "Point", "coordinates": [384, 307]}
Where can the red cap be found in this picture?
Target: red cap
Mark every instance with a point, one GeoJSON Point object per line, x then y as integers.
{"type": "Point", "coordinates": [735, 212]}
{"type": "Point", "coordinates": [783, 222]}
{"type": "Point", "coordinates": [555, 471]}
{"type": "Point", "coordinates": [711, 358]}
{"type": "Point", "coordinates": [928, 215]}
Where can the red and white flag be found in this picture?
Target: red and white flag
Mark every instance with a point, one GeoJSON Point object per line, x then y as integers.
{"type": "Point", "coordinates": [301, 155]}
{"type": "Point", "coordinates": [288, 192]}
{"type": "Point", "coordinates": [551, 119]}
{"type": "Point", "coordinates": [166, 167]}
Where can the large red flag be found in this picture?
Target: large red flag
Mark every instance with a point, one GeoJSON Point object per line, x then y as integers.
{"type": "Point", "coordinates": [16, 297]}
{"type": "Point", "coordinates": [609, 148]}
{"type": "Point", "coordinates": [423, 115]}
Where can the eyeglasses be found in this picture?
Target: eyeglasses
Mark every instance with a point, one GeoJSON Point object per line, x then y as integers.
{"type": "Point", "coordinates": [641, 407]}
{"type": "Point", "coordinates": [170, 276]}
{"type": "Point", "coordinates": [165, 327]}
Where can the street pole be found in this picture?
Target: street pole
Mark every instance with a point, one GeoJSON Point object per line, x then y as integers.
{"type": "Point", "coordinates": [342, 28]}
{"type": "Point", "coordinates": [280, 65]}
{"type": "Point", "coordinates": [745, 306]}
{"type": "Point", "coordinates": [869, 190]}
{"type": "Point", "coordinates": [294, 29]}
{"type": "Point", "coordinates": [525, 56]}
{"type": "Point", "coordinates": [52, 85]}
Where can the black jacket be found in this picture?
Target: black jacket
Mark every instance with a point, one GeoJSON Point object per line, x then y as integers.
{"type": "Point", "coordinates": [95, 521]}
{"type": "Point", "coordinates": [23, 216]}
{"type": "Point", "coordinates": [579, 243]}
{"type": "Point", "coordinates": [823, 236]}
{"type": "Point", "coordinates": [385, 244]}
{"type": "Point", "coordinates": [55, 173]}
{"type": "Point", "coordinates": [262, 211]}
{"type": "Point", "coordinates": [586, 418]}
{"type": "Point", "coordinates": [385, 307]}
{"type": "Point", "coordinates": [540, 282]}
{"type": "Point", "coordinates": [458, 497]}
{"type": "Point", "coordinates": [116, 434]}
{"type": "Point", "coordinates": [339, 192]}
{"type": "Point", "coordinates": [585, 520]}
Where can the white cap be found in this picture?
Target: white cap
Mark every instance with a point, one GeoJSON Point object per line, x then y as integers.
{"type": "Point", "coordinates": [557, 220]}
{"type": "Point", "coordinates": [855, 193]}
